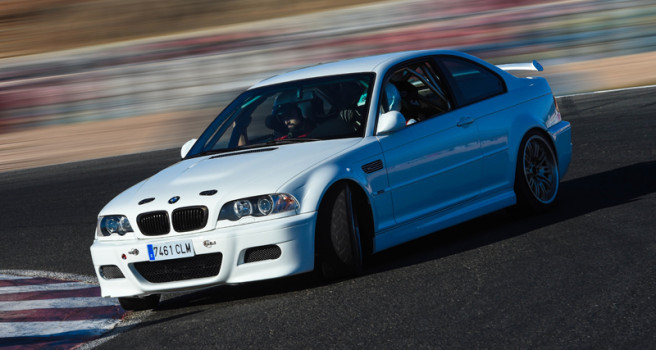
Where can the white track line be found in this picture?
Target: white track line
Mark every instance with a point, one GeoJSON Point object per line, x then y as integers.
{"type": "Point", "coordinates": [55, 303]}
{"type": "Point", "coordinates": [32, 329]}
{"type": "Point", "coordinates": [12, 277]}
{"type": "Point", "coordinates": [48, 322]}
{"type": "Point", "coordinates": [614, 90]}
{"type": "Point", "coordinates": [45, 287]}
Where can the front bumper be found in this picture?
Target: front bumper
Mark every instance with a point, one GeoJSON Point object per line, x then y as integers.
{"type": "Point", "coordinates": [293, 236]}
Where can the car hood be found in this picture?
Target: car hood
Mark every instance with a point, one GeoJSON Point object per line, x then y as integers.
{"type": "Point", "coordinates": [233, 175]}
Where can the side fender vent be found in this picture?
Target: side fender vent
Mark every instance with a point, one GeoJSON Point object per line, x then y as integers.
{"type": "Point", "coordinates": [373, 166]}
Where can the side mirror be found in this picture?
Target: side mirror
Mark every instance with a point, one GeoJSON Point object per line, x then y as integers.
{"type": "Point", "coordinates": [390, 122]}
{"type": "Point", "coordinates": [186, 147]}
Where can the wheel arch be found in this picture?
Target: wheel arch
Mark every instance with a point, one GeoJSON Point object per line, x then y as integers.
{"type": "Point", "coordinates": [361, 203]}
{"type": "Point", "coordinates": [544, 133]}
{"type": "Point", "coordinates": [533, 117]}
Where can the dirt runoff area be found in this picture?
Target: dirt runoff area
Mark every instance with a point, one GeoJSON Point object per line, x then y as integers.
{"type": "Point", "coordinates": [56, 144]}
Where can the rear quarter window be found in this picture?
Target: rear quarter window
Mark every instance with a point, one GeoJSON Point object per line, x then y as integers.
{"type": "Point", "coordinates": [470, 81]}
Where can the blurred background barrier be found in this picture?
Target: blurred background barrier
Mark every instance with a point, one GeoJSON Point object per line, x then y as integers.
{"type": "Point", "coordinates": [147, 75]}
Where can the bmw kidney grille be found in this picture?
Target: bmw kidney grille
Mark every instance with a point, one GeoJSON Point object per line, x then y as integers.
{"type": "Point", "coordinates": [186, 219]}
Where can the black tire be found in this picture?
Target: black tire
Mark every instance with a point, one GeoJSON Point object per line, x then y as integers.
{"type": "Point", "coordinates": [338, 235]}
{"type": "Point", "coordinates": [139, 304]}
{"type": "Point", "coordinates": [536, 176]}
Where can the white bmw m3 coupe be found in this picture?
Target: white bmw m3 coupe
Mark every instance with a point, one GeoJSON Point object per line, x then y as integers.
{"type": "Point", "coordinates": [318, 168]}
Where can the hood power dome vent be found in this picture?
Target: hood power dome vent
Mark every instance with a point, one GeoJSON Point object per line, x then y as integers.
{"type": "Point", "coordinates": [147, 200]}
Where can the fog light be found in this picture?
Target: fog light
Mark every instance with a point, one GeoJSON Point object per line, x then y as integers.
{"type": "Point", "coordinates": [109, 272]}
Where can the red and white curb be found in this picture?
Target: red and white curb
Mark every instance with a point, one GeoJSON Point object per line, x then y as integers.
{"type": "Point", "coordinates": [52, 312]}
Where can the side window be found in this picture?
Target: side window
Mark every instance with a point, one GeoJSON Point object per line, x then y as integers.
{"type": "Point", "coordinates": [421, 92]}
{"type": "Point", "coordinates": [471, 81]}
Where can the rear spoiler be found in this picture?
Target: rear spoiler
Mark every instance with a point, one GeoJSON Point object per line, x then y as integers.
{"type": "Point", "coordinates": [534, 66]}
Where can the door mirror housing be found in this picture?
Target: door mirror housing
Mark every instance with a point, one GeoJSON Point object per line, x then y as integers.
{"type": "Point", "coordinates": [187, 147]}
{"type": "Point", "coordinates": [390, 122]}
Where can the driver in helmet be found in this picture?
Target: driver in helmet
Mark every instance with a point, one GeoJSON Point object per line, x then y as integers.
{"type": "Point", "coordinates": [291, 117]}
{"type": "Point", "coordinates": [286, 118]}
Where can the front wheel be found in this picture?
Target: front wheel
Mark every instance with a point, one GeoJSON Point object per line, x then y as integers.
{"type": "Point", "coordinates": [536, 177]}
{"type": "Point", "coordinates": [139, 303]}
{"type": "Point", "coordinates": [338, 235]}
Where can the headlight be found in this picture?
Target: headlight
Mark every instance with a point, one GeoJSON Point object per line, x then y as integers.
{"type": "Point", "coordinates": [258, 206]}
{"type": "Point", "coordinates": [113, 224]}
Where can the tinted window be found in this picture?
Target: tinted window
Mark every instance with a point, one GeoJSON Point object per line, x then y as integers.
{"type": "Point", "coordinates": [421, 92]}
{"type": "Point", "coordinates": [318, 109]}
{"type": "Point", "coordinates": [471, 81]}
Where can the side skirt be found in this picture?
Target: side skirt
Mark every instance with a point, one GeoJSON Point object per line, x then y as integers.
{"type": "Point", "coordinates": [438, 221]}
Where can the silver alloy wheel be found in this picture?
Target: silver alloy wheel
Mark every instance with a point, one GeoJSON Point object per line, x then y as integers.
{"type": "Point", "coordinates": [540, 169]}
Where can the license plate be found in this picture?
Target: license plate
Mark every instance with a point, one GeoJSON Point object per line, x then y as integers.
{"type": "Point", "coordinates": [170, 250]}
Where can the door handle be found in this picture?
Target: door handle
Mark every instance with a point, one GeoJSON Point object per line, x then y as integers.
{"type": "Point", "coordinates": [464, 121]}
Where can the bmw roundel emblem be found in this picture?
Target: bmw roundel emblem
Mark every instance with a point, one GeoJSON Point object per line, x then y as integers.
{"type": "Point", "coordinates": [174, 199]}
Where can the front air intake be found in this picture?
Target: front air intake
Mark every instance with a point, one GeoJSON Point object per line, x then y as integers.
{"type": "Point", "coordinates": [267, 252]}
{"type": "Point", "coordinates": [199, 266]}
{"type": "Point", "coordinates": [110, 272]}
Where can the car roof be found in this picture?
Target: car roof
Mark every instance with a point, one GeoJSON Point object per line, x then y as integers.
{"type": "Point", "coordinates": [375, 64]}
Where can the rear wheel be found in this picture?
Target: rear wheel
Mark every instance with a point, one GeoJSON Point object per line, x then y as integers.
{"type": "Point", "coordinates": [536, 178]}
{"type": "Point", "coordinates": [338, 235]}
{"type": "Point", "coordinates": [139, 303]}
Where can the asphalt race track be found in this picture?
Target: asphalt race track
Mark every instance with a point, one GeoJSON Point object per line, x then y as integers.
{"type": "Point", "coordinates": [581, 276]}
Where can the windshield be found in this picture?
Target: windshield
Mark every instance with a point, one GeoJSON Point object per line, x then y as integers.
{"type": "Point", "coordinates": [299, 111]}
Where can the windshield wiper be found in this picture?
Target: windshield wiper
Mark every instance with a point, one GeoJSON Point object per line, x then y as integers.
{"type": "Point", "coordinates": [275, 143]}
{"type": "Point", "coordinates": [255, 145]}
{"type": "Point", "coordinates": [290, 140]}
{"type": "Point", "coordinates": [213, 151]}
